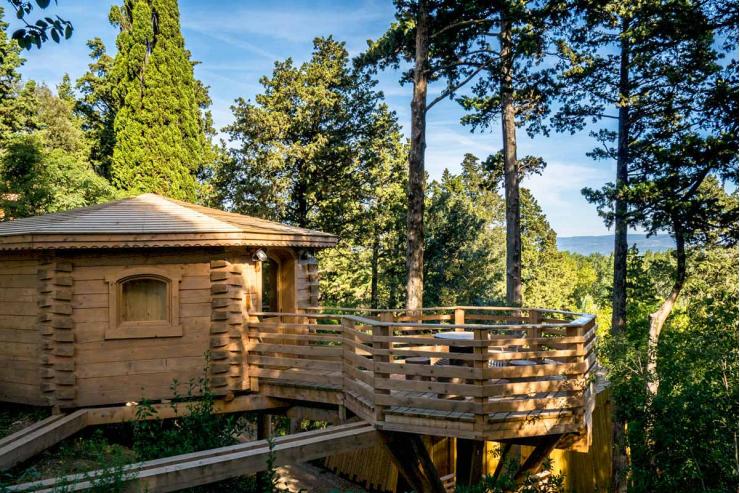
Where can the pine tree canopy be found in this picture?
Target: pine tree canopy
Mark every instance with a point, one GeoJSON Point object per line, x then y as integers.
{"type": "Point", "coordinates": [160, 140]}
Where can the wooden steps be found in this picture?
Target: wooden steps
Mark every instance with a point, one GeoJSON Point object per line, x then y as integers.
{"type": "Point", "coordinates": [209, 466]}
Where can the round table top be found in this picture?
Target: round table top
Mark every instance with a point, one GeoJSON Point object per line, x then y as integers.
{"type": "Point", "coordinates": [454, 335]}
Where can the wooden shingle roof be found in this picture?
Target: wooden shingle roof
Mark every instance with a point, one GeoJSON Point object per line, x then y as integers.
{"type": "Point", "coordinates": [150, 220]}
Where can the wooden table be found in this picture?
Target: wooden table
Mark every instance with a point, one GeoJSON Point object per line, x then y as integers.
{"type": "Point", "coordinates": [456, 336]}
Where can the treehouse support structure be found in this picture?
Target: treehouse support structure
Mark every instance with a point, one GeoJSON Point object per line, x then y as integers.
{"type": "Point", "coordinates": [413, 462]}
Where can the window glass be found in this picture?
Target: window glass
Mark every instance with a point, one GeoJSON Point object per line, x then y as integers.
{"type": "Point", "coordinates": [269, 286]}
{"type": "Point", "coordinates": [143, 300]}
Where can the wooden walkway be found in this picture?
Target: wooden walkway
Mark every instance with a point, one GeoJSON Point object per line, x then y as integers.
{"type": "Point", "coordinates": [210, 466]}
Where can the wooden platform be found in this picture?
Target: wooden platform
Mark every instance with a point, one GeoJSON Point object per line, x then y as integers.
{"type": "Point", "coordinates": [523, 374]}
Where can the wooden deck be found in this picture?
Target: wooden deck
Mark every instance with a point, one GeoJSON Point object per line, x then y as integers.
{"type": "Point", "coordinates": [521, 374]}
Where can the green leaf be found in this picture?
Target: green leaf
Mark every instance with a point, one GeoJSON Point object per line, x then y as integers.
{"type": "Point", "coordinates": [55, 35]}
{"type": "Point", "coordinates": [43, 3]}
{"type": "Point", "coordinates": [18, 34]}
{"type": "Point", "coordinates": [68, 31]}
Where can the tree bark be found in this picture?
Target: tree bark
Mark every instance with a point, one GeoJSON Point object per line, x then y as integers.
{"type": "Point", "coordinates": [619, 290]}
{"type": "Point", "coordinates": [511, 172]}
{"type": "Point", "coordinates": [415, 217]}
{"type": "Point", "coordinates": [658, 318]}
{"type": "Point", "coordinates": [374, 269]}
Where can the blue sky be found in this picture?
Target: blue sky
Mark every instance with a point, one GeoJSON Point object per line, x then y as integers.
{"type": "Point", "coordinates": [238, 41]}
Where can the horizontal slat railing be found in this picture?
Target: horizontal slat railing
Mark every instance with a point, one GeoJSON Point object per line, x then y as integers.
{"type": "Point", "coordinates": [522, 369]}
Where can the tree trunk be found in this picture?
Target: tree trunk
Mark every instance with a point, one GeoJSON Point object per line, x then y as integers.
{"type": "Point", "coordinates": [374, 269]}
{"type": "Point", "coordinates": [658, 318]}
{"type": "Point", "coordinates": [619, 291]}
{"type": "Point", "coordinates": [301, 201]}
{"type": "Point", "coordinates": [511, 173]}
{"type": "Point", "coordinates": [415, 217]}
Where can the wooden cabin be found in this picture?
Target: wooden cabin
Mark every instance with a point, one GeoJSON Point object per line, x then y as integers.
{"type": "Point", "coordinates": [110, 303]}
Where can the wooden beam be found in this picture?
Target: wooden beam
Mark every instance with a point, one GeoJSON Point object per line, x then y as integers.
{"type": "Point", "coordinates": [469, 461]}
{"type": "Point", "coordinates": [242, 403]}
{"type": "Point", "coordinates": [413, 461]}
{"type": "Point", "coordinates": [36, 438]}
{"type": "Point", "coordinates": [540, 452]}
{"type": "Point", "coordinates": [209, 466]}
{"type": "Point", "coordinates": [29, 441]}
{"type": "Point", "coordinates": [502, 458]}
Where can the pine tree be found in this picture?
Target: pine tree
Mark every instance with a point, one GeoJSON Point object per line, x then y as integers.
{"type": "Point", "coordinates": [160, 143]}
{"type": "Point", "coordinates": [438, 38]}
{"type": "Point", "coordinates": [10, 62]}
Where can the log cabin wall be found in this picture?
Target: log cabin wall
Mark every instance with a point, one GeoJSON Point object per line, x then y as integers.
{"type": "Point", "coordinates": [55, 310]}
{"type": "Point", "coordinates": [20, 337]}
{"type": "Point", "coordinates": [119, 370]}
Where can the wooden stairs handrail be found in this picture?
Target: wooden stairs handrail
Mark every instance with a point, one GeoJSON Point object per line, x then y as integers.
{"type": "Point", "coordinates": [209, 466]}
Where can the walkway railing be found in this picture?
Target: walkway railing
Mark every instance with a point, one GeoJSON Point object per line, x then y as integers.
{"type": "Point", "coordinates": [473, 372]}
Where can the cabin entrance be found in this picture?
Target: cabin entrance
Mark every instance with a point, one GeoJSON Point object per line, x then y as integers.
{"type": "Point", "coordinates": [277, 283]}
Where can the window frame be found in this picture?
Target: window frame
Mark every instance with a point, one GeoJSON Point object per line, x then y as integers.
{"type": "Point", "coordinates": [171, 327]}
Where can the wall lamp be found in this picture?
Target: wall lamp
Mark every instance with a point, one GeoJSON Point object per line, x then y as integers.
{"type": "Point", "coordinates": [259, 256]}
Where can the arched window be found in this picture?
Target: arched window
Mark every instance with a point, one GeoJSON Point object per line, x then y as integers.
{"type": "Point", "coordinates": [144, 299]}
{"type": "Point", "coordinates": [144, 302]}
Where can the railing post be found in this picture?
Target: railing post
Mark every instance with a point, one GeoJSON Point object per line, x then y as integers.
{"type": "Point", "coordinates": [480, 364]}
{"type": "Point", "coordinates": [346, 336]}
{"type": "Point", "coordinates": [459, 318]}
{"type": "Point", "coordinates": [535, 318]}
{"type": "Point", "coordinates": [381, 330]}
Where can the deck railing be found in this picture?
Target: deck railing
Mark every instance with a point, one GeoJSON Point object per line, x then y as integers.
{"type": "Point", "coordinates": [510, 372]}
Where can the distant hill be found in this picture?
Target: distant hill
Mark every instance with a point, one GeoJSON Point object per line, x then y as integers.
{"type": "Point", "coordinates": [586, 245]}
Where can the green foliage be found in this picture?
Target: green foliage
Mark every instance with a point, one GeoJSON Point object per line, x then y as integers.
{"type": "Point", "coordinates": [98, 106]}
{"type": "Point", "coordinates": [682, 438]}
{"type": "Point", "coordinates": [199, 429]}
{"type": "Point", "coordinates": [545, 481]}
{"type": "Point", "coordinates": [465, 256]}
{"type": "Point", "coordinates": [319, 149]}
{"type": "Point", "coordinates": [160, 140]}
{"type": "Point", "coordinates": [44, 168]}
{"type": "Point", "coordinates": [38, 32]}
{"type": "Point", "coordinates": [464, 239]}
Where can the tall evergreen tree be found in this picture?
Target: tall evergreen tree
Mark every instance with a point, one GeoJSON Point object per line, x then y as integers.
{"type": "Point", "coordinates": [98, 106]}
{"type": "Point", "coordinates": [10, 77]}
{"type": "Point", "coordinates": [516, 89]}
{"type": "Point", "coordinates": [436, 37]}
{"type": "Point", "coordinates": [644, 66]}
{"type": "Point", "coordinates": [160, 143]}
{"type": "Point", "coordinates": [318, 148]}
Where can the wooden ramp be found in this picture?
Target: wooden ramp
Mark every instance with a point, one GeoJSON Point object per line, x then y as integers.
{"type": "Point", "coordinates": [209, 466]}
{"type": "Point", "coordinates": [29, 441]}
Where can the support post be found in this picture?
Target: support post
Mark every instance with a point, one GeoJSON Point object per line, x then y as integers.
{"type": "Point", "coordinates": [534, 332]}
{"type": "Point", "coordinates": [412, 459]}
{"type": "Point", "coordinates": [469, 461]}
{"type": "Point", "coordinates": [502, 458]}
{"type": "Point", "coordinates": [382, 330]}
{"type": "Point", "coordinates": [264, 431]}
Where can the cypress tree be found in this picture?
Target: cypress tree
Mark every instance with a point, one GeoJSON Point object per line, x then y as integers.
{"type": "Point", "coordinates": [160, 144]}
